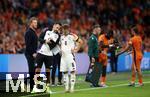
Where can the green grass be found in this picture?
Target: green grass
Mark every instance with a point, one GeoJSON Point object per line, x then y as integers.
{"type": "Point", "coordinates": [112, 80]}
{"type": "Point", "coordinates": [112, 91]}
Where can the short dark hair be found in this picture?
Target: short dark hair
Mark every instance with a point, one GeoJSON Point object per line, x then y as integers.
{"type": "Point", "coordinates": [58, 23]}
{"type": "Point", "coordinates": [95, 26]}
{"type": "Point", "coordinates": [31, 19]}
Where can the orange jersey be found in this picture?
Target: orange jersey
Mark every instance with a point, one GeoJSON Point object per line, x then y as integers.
{"type": "Point", "coordinates": [136, 42]}
{"type": "Point", "coordinates": [102, 38]}
{"type": "Point", "coordinates": [103, 56]}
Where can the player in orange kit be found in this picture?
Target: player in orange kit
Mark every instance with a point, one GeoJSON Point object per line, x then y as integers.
{"type": "Point", "coordinates": [104, 41]}
{"type": "Point", "coordinates": [136, 44]}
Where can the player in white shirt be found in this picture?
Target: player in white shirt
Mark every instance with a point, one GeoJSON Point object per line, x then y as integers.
{"type": "Point", "coordinates": [45, 55]}
{"type": "Point", "coordinates": [70, 44]}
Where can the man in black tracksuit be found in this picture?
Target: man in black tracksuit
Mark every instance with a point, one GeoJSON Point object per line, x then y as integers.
{"type": "Point", "coordinates": [56, 53]}
{"type": "Point", "coordinates": [31, 42]}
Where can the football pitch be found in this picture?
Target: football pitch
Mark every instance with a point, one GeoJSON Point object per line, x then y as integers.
{"type": "Point", "coordinates": [117, 87]}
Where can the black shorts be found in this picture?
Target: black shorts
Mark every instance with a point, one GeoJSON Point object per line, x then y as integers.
{"type": "Point", "coordinates": [47, 60]}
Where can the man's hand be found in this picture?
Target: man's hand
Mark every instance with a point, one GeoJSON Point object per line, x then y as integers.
{"type": "Point", "coordinates": [34, 55]}
{"type": "Point", "coordinates": [47, 40]}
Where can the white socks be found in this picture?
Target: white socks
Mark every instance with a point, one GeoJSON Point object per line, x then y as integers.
{"type": "Point", "coordinates": [66, 81]}
{"type": "Point", "coordinates": [70, 82]}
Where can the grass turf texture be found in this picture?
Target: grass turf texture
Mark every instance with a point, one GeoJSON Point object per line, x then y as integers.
{"type": "Point", "coordinates": [117, 87]}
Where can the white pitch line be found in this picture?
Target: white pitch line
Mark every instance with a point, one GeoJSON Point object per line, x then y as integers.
{"type": "Point", "coordinates": [86, 89]}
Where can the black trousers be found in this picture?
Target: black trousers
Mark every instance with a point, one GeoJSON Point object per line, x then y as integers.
{"type": "Point", "coordinates": [47, 60]}
{"type": "Point", "coordinates": [56, 63]}
{"type": "Point", "coordinates": [113, 62]}
{"type": "Point", "coordinates": [31, 68]}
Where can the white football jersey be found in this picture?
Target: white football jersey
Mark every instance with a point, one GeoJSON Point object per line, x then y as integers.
{"type": "Point", "coordinates": [45, 50]}
{"type": "Point", "coordinates": [67, 43]}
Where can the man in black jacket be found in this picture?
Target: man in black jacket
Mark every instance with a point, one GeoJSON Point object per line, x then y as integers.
{"type": "Point", "coordinates": [31, 42]}
{"type": "Point", "coordinates": [48, 39]}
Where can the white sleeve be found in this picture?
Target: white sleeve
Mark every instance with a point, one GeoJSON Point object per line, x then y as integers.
{"type": "Point", "coordinates": [47, 35]}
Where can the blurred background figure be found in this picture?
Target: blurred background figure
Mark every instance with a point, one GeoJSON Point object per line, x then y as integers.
{"type": "Point", "coordinates": [112, 50]}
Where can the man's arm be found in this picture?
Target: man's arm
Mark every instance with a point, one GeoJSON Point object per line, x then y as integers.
{"type": "Point", "coordinates": [78, 45]}
{"type": "Point", "coordinates": [78, 42]}
{"type": "Point", "coordinates": [41, 38]}
{"type": "Point", "coordinates": [128, 47]}
{"type": "Point", "coordinates": [54, 40]}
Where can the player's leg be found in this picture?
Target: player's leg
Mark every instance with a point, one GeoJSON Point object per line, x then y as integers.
{"type": "Point", "coordinates": [133, 77]}
{"type": "Point", "coordinates": [39, 61]}
{"type": "Point", "coordinates": [103, 77]}
{"type": "Point", "coordinates": [63, 68]}
{"type": "Point", "coordinates": [31, 67]}
{"type": "Point", "coordinates": [66, 81]}
{"type": "Point", "coordinates": [72, 68]}
{"type": "Point", "coordinates": [48, 62]}
{"type": "Point", "coordinates": [54, 70]}
{"type": "Point", "coordinates": [59, 72]}
{"type": "Point", "coordinates": [139, 72]}
{"type": "Point", "coordinates": [72, 81]}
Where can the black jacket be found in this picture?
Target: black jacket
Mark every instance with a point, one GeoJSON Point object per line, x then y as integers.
{"type": "Point", "coordinates": [31, 41]}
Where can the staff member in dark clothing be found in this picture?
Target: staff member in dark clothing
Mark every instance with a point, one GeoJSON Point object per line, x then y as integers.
{"type": "Point", "coordinates": [31, 42]}
{"type": "Point", "coordinates": [94, 71]}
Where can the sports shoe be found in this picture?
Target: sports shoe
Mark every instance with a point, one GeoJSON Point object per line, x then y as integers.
{"type": "Point", "coordinates": [53, 85]}
{"type": "Point", "coordinates": [59, 84]}
{"type": "Point", "coordinates": [140, 84]}
{"type": "Point", "coordinates": [67, 91]}
{"type": "Point", "coordinates": [48, 90]}
{"type": "Point", "coordinates": [103, 85]}
{"type": "Point", "coordinates": [131, 84]}
{"type": "Point", "coordinates": [71, 91]}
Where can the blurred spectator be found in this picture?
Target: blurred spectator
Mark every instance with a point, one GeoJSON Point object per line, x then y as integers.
{"type": "Point", "coordinates": [117, 15]}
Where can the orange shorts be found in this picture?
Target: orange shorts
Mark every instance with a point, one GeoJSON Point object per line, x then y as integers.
{"type": "Point", "coordinates": [103, 59]}
{"type": "Point", "coordinates": [137, 62]}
